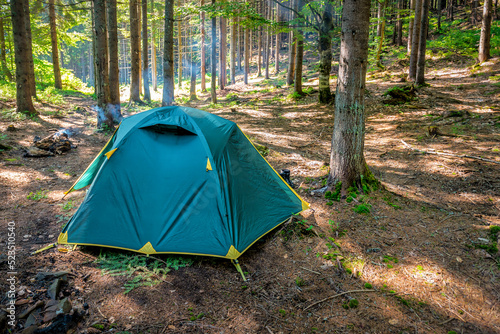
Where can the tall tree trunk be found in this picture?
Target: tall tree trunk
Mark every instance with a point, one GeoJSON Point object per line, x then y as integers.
{"type": "Point", "coordinates": [450, 10]}
{"type": "Point", "coordinates": [192, 86]}
{"type": "Point", "coordinates": [292, 43]}
{"type": "Point", "coordinates": [24, 104]}
{"type": "Point", "coordinates": [145, 48]}
{"type": "Point", "coordinates": [410, 27]}
{"type": "Point", "coordinates": [154, 78]}
{"type": "Point", "coordinates": [382, 34]}
{"type": "Point", "coordinates": [114, 68]}
{"type": "Point", "coordinates": [325, 54]}
{"type": "Point", "coordinates": [247, 56]}
{"type": "Point", "coordinates": [297, 84]}
{"type": "Point", "coordinates": [27, 23]}
{"type": "Point", "coordinates": [101, 60]}
{"type": "Point", "coordinates": [213, 61]}
{"type": "Point", "coordinates": [484, 41]}
{"type": "Point", "coordinates": [168, 55]}
{"type": "Point", "coordinates": [440, 8]}
{"type": "Point", "coordinates": [399, 24]}
{"type": "Point", "coordinates": [238, 45]}
{"type": "Point", "coordinates": [268, 41]}
{"type": "Point", "coordinates": [259, 52]}
{"type": "Point", "coordinates": [53, 42]}
{"type": "Point", "coordinates": [134, 50]}
{"type": "Point", "coordinates": [222, 52]}
{"type": "Point", "coordinates": [232, 56]}
{"type": "Point", "coordinates": [347, 158]}
{"type": "Point", "coordinates": [415, 40]}
{"type": "Point", "coordinates": [3, 58]}
{"type": "Point", "coordinates": [139, 25]}
{"type": "Point", "coordinates": [203, 55]}
{"type": "Point", "coordinates": [380, 14]}
{"type": "Point", "coordinates": [278, 35]}
{"type": "Point", "coordinates": [424, 23]}
{"type": "Point", "coordinates": [179, 49]}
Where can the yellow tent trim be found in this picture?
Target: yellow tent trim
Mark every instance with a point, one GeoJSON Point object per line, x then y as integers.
{"type": "Point", "coordinates": [63, 238]}
{"type": "Point", "coordinates": [209, 165]}
{"type": "Point", "coordinates": [147, 249]}
{"type": "Point", "coordinates": [305, 205]}
{"type": "Point", "coordinates": [110, 153]}
{"type": "Point", "coordinates": [232, 253]}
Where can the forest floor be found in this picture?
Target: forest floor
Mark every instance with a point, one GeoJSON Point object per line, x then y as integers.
{"type": "Point", "coordinates": [425, 250]}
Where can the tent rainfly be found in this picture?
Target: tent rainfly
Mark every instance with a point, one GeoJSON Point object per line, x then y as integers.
{"type": "Point", "coordinates": [182, 181]}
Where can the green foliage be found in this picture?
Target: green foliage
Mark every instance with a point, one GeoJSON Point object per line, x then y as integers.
{"type": "Point", "coordinates": [67, 206]}
{"type": "Point", "coordinates": [335, 195]}
{"type": "Point", "coordinates": [362, 208]}
{"type": "Point", "coordinates": [294, 96]}
{"type": "Point", "coordinates": [368, 286]}
{"type": "Point", "coordinates": [38, 195]}
{"type": "Point", "coordinates": [143, 271]}
{"type": "Point", "coordinates": [353, 303]}
{"type": "Point", "coordinates": [299, 282]}
{"type": "Point", "coordinates": [282, 312]}
{"type": "Point", "coordinates": [44, 76]}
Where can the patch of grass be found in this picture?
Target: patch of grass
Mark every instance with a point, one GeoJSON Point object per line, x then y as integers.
{"type": "Point", "coordinates": [142, 271]}
{"type": "Point", "coordinates": [67, 206]}
{"type": "Point", "coordinates": [353, 303]}
{"type": "Point", "coordinates": [282, 312]}
{"type": "Point", "coordinates": [388, 199]}
{"type": "Point", "coordinates": [299, 282]}
{"type": "Point", "coordinates": [368, 286]}
{"type": "Point", "coordinates": [38, 195]}
{"type": "Point", "coordinates": [362, 208]}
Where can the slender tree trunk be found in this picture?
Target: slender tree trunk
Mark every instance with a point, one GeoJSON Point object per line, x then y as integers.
{"type": "Point", "coordinates": [145, 48]}
{"type": "Point", "coordinates": [232, 56]}
{"type": "Point", "coordinates": [325, 54]}
{"type": "Point", "coordinates": [268, 41]}
{"type": "Point", "coordinates": [154, 78]}
{"type": "Point", "coordinates": [135, 55]}
{"type": "Point", "coordinates": [485, 39]}
{"type": "Point", "coordinates": [168, 55]}
{"type": "Point", "coordinates": [415, 40]}
{"type": "Point", "coordinates": [222, 53]}
{"type": "Point", "coordinates": [277, 51]}
{"type": "Point", "coordinates": [192, 86]}
{"type": "Point", "coordinates": [259, 52]}
{"type": "Point", "coordinates": [139, 32]}
{"type": "Point", "coordinates": [27, 22]}
{"type": "Point", "coordinates": [382, 34]}
{"type": "Point", "coordinates": [440, 8]}
{"type": "Point", "coordinates": [3, 58]}
{"type": "Point", "coordinates": [53, 42]}
{"type": "Point", "coordinates": [247, 56]}
{"type": "Point", "coordinates": [179, 46]}
{"type": "Point", "coordinates": [203, 55]}
{"type": "Point", "coordinates": [410, 27]}
{"type": "Point", "coordinates": [347, 158]}
{"type": "Point", "coordinates": [380, 13]}
{"type": "Point", "coordinates": [101, 60]}
{"type": "Point", "coordinates": [292, 42]}
{"type": "Point", "coordinates": [24, 103]}
{"type": "Point", "coordinates": [114, 66]}
{"type": "Point", "coordinates": [297, 85]}
{"type": "Point", "coordinates": [399, 37]}
{"type": "Point", "coordinates": [238, 45]}
{"type": "Point", "coordinates": [450, 10]}
{"type": "Point", "coordinates": [213, 61]}
{"type": "Point", "coordinates": [420, 74]}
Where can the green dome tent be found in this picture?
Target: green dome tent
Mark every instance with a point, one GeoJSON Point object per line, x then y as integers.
{"type": "Point", "coordinates": [179, 180]}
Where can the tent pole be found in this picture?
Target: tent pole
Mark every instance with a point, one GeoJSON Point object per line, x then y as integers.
{"type": "Point", "coordinates": [237, 265]}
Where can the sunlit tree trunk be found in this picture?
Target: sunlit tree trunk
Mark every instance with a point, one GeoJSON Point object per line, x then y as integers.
{"type": "Point", "coordinates": [268, 42]}
{"type": "Point", "coordinates": [410, 27]}
{"type": "Point", "coordinates": [135, 55]}
{"type": "Point", "coordinates": [114, 70]}
{"type": "Point", "coordinates": [278, 42]}
{"type": "Point", "coordinates": [399, 23]}
{"type": "Point", "coordinates": [247, 56]}
{"type": "Point", "coordinates": [381, 29]}
{"type": "Point", "coordinates": [24, 103]}
{"type": "Point", "coordinates": [53, 42]}
{"type": "Point", "coordinates": [292, 44]}
{"type": "Point", "coordinates": [222, 52]}
{"type": "Point", "coordinates": [238, 44]}
{"type": "Point", "coordinates": [179, 46]}
{"type": "Point", "coordinates": [213, 61]}
{"type": "Point", "coordinates": [424, 22]}
{"type": "Point", "coordinates": [347, 158]}
{"type": "Point", "coordinates": [203, 54]}
{"type": "Point", "coordinates": [145, 48]}
{"type": "Point", "coordinates": [192, 86]}
{"type": "Point", "coordinates": [3, 57]}
{"type": "Point", "coordinates": [297, 85]}
{"type": "Point", "coordinates": [415, 40]}
{"type": "Point", "coordinates": [168, 55]}
{"type": "Point", "coordinates": [259, 52]}
{"type": "Point", "coordinates": [154, 79]}
{"type": "Point", "coordinates": [484, 41]}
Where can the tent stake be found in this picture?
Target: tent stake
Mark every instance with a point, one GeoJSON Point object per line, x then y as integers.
{"type": "Point", "coordinates": [44, 248]}
{"type": "Point", "coordinates": [237, 265]}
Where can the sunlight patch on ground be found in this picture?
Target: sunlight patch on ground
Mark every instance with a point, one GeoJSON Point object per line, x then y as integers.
{"type": "Point", "coordinates": [256, 113]}
{"type": "Point", "coordinates": [21, 177]}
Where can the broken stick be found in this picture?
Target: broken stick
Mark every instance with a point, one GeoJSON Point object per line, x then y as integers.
{"type": "Point", "coordinates": [337, 295]}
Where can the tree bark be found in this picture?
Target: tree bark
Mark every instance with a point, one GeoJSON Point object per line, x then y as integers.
{"type": "Point", "coordinates": [347, 157]}
{"type": "Point", "coordinates": [440, 8]}
{"type": "Point", "coordinates": [203, 55]}
{"type": "Point", "coordinates": [192, 86]}
{"type": "Point", "coordinates": [232, 55]}
{"type": "Point", "coordinates": [154, 78]}
{"type": "Point", "coordinates": [247, 56]}
{"type": "Point", "coordinates": [292, 42]}
{"type": "Point", "coordinates": [415, 40]}
{"type": "Point", "coordinates": [424, 22]}
{"type": "Point", "coordinates": [297, 85]}
{"type": "Point", "coordinates": [277, 51]}
{"type": "Point", "coordinates": [145, 48]}
{"type": "Point", "coordinates": [410, 27]}
{"type": "Point", "coordinates": [485, 39]}
{"type": "Point", "coordinates": [24, 103]}
{"type": "Point", "coordinates": [259, 52]}
{"type": "Point", "coordinates": [268, 41]}
{"type": "Point", "coordinates": [325, 54]}
{"type": "Point", "coordinates": [3, 57]}
{"type": "Point", "coordinates": [114, 69]}
{"type": "Point", "coordinates": [135, 53]}
{"type": "Point", "coordinates": [213, 61]}
{"type": "Point", "coordinates": [222, 52]}
{"type": "Point", "coordinates": [168, 55]}
{"type": "Point", "coordinates": [380, 13]}
{"type": "Point", "coordinates": [399, 24]}
{"type": "Point", "coordinates": [382, 34]}
{"type": "Point", "coordinates": [53, 42]}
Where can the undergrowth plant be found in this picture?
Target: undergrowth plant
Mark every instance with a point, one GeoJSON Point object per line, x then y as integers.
{"type": "Point", "coordinates": [141, 270]}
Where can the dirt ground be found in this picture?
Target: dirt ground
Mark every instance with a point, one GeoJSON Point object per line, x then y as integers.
{"type": "Point", "coordinates": [417, 256]}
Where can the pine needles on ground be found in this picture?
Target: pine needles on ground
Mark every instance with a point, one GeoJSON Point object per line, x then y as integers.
{"type": "Point", "coordinates": [143, 271]}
